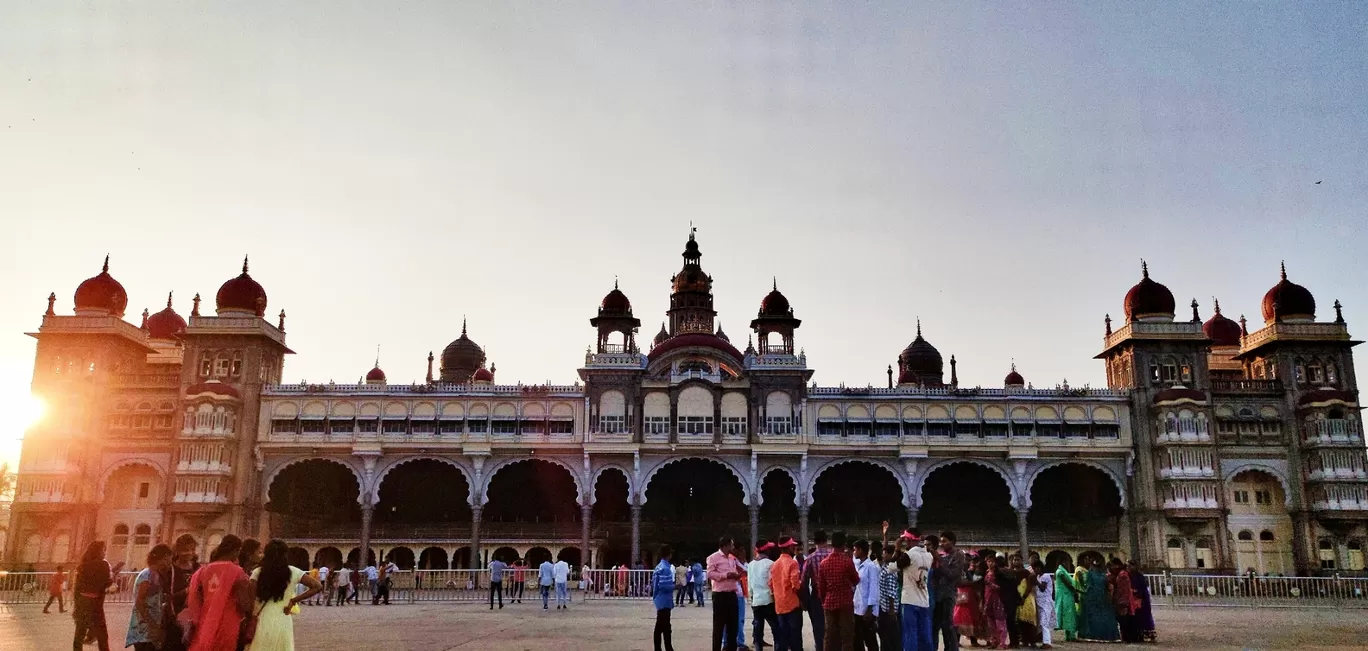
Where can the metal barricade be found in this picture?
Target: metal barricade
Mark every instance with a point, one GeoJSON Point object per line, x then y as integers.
{"type": "Point", "coordinates": [1258, 591]}
{"type": "Point", "coordinates": [32, 588]}
{"type": "Point", "coordinates": [617, 584]}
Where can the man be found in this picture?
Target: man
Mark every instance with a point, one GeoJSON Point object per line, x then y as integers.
{"type": "Point", "coordinates": [372, 580]}
{"type": "Point", "coordinates": [681, 578]}
{"type": "Point", "coordinates": [835, 586]}
{"type": "Point", "coordinates": [496, 572]}
{"type": "Point", "coordinates": [742, 589]}
{"type": "Point", "coordinates": [945, 583]}
{"type": "Point", "coordinates": [699, 580]}
{"type": "Point", "coordinates": [664, 592]}
{"type": "Point", "coordinates": [809, 588]}
{"type": "Point", "coordinates": [546, 577]}
{"type": "Point", "coordinates": [916, 597]}
{"type": "Point", "coordinates": [865, 603]}
{"type": "Point", "coordinates": [785, 579]}
{"type": "Point", "coordinates": [560, 572]}
{"type": "Point", "coordinates": [890, 600]}
{"type": "Point", "coordinates": [723, 577]}
{"type": "Point", "coordinates": [55, 590]}
{"type": "Point", "coordinates": [384, 579]}
{"type": "Point", "coordinates": [356, 587]}
{"type": "Point", "coordinates": [761, 595]}
{"type": "Point", "coordinates": [343, 583]}
{"type": "Point", "coordinates": [324, 571]}
{"type": "Point", "coordinates": [1009, 581]}
{"type": "Point", "coordinates": [519, 579]}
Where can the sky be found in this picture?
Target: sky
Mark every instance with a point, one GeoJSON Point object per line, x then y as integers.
{"type": "Point", "coordinates": [997, 170]}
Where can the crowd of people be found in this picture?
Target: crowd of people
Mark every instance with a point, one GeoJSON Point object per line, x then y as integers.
{"type": "Point", "coordinates": [914, 593]}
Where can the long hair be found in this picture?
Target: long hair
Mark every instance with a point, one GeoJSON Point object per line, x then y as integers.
{"type": "Point", "coordinates": [95, 551]}
{"type": "Point", "coordinates": [227, 549]}
{"type": "Point", "coordinates": [249, 549]}
{"type": "Point", "coordinates": [275, 572]}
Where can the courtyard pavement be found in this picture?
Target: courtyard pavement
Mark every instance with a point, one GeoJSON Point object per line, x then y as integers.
{"type": "Point", "coordinates": [620, 626]}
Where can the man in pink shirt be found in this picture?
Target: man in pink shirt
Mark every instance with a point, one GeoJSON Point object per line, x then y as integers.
{"type": "Point", "coordinates": [723, 575]}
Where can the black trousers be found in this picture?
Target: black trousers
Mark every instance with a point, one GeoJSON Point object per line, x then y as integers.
{"type": "Point", "coordinates": [761, 615]}
{"type": "Point", "coordinates": [890, 631]}
{"type": "Point", "coordinates": [866, 633]}
{"type": "Point", "coordinates": [943, 625]}
{"type": "Point", "coordinates": [515, 592]}
{"type": "Point", "coordinates": [495, 587]}
{"type": "Point", "coordinates": [662, 631]}
{"type": "Point", "coordinates": [90, 619]}
{"type": "Point", "coordinates": [725, 614]}
{"type": "Point", "coordinates": [1013, 631]}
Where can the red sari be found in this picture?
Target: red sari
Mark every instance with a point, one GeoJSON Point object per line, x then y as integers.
{"type": "Point", "coordinates": [213, 606]}
{"type": "Point", "coordinates": [968, 613]}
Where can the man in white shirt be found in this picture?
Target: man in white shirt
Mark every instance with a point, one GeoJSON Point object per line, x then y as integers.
{"type": "Point", "coordinates": [866, 599]}
{"type": "Point", "coordinates": [323, 572]}
{"type": "Point", "coordinates": [546, 574]}
{"type": "Point", "coordinates": [761, 596]}
{"type": "Point", "coordinates": [561, 573]}
{"type": "Point", "coordinates": [916, 595]}
{"type": "Point", "coordinates": [343, 584]}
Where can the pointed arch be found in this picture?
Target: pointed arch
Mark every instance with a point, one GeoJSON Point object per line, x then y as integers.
{"type": "Point", "coordinates": [270, 477]}
{"type": "Point", "coordinates": [746, 489]}
{"type": "Point", "coordinates": [593, 482]}
{"type": "Point", "coordinates": [792, 474]}
{"type": "Point", "coordinates": [1110, 473]}
{"type": "Point", "coordinates": [467, 473]}
{"type": "Point", "coordinates": [1262, 466]}
{"type": "Point", "coordinates": [897, 476]}
{"type": "Point", "coordinates": [580, 493]}
{"type": "Point", "coordinates": [1012, 488]}
{"type": "Point", "coordinates": [128, 463]}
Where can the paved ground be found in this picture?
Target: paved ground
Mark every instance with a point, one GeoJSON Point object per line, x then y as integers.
{"type": "Point", "coordinates": [619, 626]}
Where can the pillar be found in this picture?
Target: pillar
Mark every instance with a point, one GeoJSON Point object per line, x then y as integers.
{"type": "Point", "coordinates": [1224, 558]}
{"type": "Point", "coordinates": [803, 529]}
{"type": "Point", "coordinates": [1021, 531]}
{"type": "Point", "coordinates": [367, 510]}
{"type": "Point", "coordinates": [911, 516]}
{"type": "Point", "coordinates": [754, 525]}
{"type": "Point", "coordinates": [586, 511]}
{"type": "Point", "coordinates": [475, 537]}
{"type": "Point", "coordinates": [636, 534]}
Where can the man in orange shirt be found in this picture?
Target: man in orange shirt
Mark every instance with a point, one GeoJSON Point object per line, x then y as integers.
{"type": "Point", "coordinates": [784, 582]}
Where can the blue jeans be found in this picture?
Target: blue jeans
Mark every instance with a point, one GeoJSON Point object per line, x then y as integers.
{"type": "Point", "coordinates": [740, 620]}
{"type": "Point", "coordinates": [818, 617]}
{"type": "Point", "coordinates": [546, 594]}
{"type": "Point", "coordinates": [698, 591]}
{"type": "Point", "coordinates": [916, 628]}
{"type": "Point", "coordinates": [563, 594]}
{"type": "Point", "coordinates": [788, 631]}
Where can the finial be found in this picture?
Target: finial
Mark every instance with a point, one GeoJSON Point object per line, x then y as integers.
{"type": "Point", "coordinates": [1244, 329]}
{"type": "Point", "coordinates": [168, 299]}
{"type": "Point", "coordinates": [493, 368]}
{"type": "Point", "coordinates": [463, 325]}
{"type": "Point", "coordinates": [1282, 269]}
{"type": "Point", "coordinates": [615, 281]}
{"type": "Point", "coordinates": [1216, 305]}
{"type": "Point", "coordinates": [1107, 319]}
{"type": "Point", "coordinates": [692, 229]}
{"type": "Point", "coordinates": [775, 280]}
{"type": "Point", "coordinates": [52, 300]}
{"type": "Point", "coordinates": [1014, 365]}
{"type": "Point", "coordinates": [144, 320]}
{"type": "Point", "coordinates": [106, 264]}
{"type": "Point", "coordinates": [918, 326]}
{"type": "Point", "coordinates": [1339, 315]}
{"type": "Point", "coordinates": [281, 325]}
{"type": "Point", "coordinates": [377, 355]}
{"type": "Point", "coordinates": [430, 357]}
{"type": "Point", "coordinates": [1144, 268]}
{"type": "Point", "coordinates": [1195, 318]}
{"type": "Point", "coordinates": [194, 311]}
{"type": "Point", "coordinates": [244, 264]}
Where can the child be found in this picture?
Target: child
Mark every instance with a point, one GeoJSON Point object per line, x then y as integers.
{"type": "Point", "coordinates": [55, 590]}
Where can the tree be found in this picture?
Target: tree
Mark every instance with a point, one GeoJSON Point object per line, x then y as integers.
{"type": "Point", "coordinates": [7, 479]}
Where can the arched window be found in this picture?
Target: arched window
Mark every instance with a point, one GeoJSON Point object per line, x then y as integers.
{"type": "Point", "coordinates": [1325, 544]}
{"type": "Point", "coordinates": [142, 535]}
{"type": "Point", "coordinates": [120, 536]}
{"type": "Point", "coordinates": [1266, 535]}
{"type": "Point", "coordinates": [1246, 535]}
{"type": "Point", "coordinates": [1174, 543]}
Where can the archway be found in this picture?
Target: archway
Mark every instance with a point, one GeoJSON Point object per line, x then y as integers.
{"type": "Point", "coordinates": [612, 517]}
{"type": "Point", "coordinates": [856, 497]}
{"type": "Point", "coordinates": [778, 512]}
{"type": "Point", "coordinates": [1091, 557]}
{"type": "Point", "coordinates": [402, 557]}
{"type": "Point", "coordinates": [689, 504]}
{"type": "Point", "coordinates": [298, 557]}
{"type": "Point", "coordinates": [314, 498]}
{"type": "Point", "coordinates": [356, 553]}
{"type": "Point", "coordinates": [970, 499]}
{"type": "Point", "coordinates": [1056, 558]}
{"type": "Point", "coordinates": [506, 554]}
{"type": "Point", "coordinates": [433, 558]}
{"type": "Point", "coordinates": [570, 555]}
{"type": "Point", "coordinates": [1075, 503]}
{"type": "Point", "coordinates": [537, 555]}
{"type": "Point", "coordinates": [1258, 506]}
{"type": "Point", "coordinates": [328, 556]}
{"type": "Point", "coordinates": [423, 498]}
{"type": "Point", "coordinates": [534, 491]}
{"type": "Point", "coordinates": [461, 558]}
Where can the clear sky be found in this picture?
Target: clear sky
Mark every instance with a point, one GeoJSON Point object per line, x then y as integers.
{"type": "Point", "coordinates": [997, 169]}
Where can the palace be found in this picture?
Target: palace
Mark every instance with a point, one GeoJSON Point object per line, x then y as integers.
{"type": "Point", "coordinates": [1215, 448]}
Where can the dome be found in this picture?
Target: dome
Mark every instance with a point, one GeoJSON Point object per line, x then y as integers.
{"type": "Point", "coordinates": [661, 336]}
{"type": "Point", "coordinates": [483, 375]}
{"type": "Point", "coordinates": [1288, 301]}
{"type": "Point", "coordinates": [615, 303]}
{"type": "Point", "coordinates": [241, 294]}
{"type": "Point", "coordinates": [1221, 330]}
{"type": "Point", "coordinates": [1148, 299]}
{"type": "Point", "coordinates": [461, 358]}
{"type": "Point", "coordinates": [375, 375]}
{"type": "Point", "coordinates": [920, 360]}
{"type": "Point", "coordinates": [695, 339]}
{"type": "Point", "coordinates": [165, 324]}
{"type": "Point", "coordinates": [1014, 379]}
{"type": "Point", "coordinates": [722, 335]}
{"type": "Point", "coordinates": [102, 294]}
{"type": "Point", "coordinates": [774, 303]}
{"type": "Point", "coordinates": [691, 279]}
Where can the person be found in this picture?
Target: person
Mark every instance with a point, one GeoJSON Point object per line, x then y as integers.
{"type": "Point", "coordinates": [1066, 601]}
{"type": "Point", "coordinates": [175, 583]}
{"type": "Point", "coordinates": [915, 569]}
{"type": "Point", "coordinates": [761, 595]}
{"type": "Point", "coordinates": [1027, 618]}
{"type": "Point", "coordinates": [1097, 619]}
{"type": "Point", "coordinates": [560, 573]}
{"type": "Point", "coordinates": [275, 598]}
{"type": "Point", "coordinates": [1045, 604]}
{"type": "Point", "coordinates": [519, 580]}
{"type": "Point", "coordinates": [621, 583]}
{"type": "Point", "coordinates": [784, 582]}
{"type": "Point", "coordinates": [809, 588]}
{"type": "Point", "coordinates": [865, 602]}
{"type": "Point", "coordinates": [698, 580]}
{"type": "Point", "coordinates": [663, 592]}
{"type": "Point", "coordinates": [1009, 592]}
{"type": "Point", "coordinates": [145, 630]}
{"type": "Point", "coordinates": [250, 556]}
{"type": "Point", "coordinates": [723, 576]}
{"type": "Point", "coordinates": [344, 576]}
{"type": "Point", "coordinates": [324, 578]}
{"type": "Point", "coordinates": [681, 577]}
{"type": "Point", "coordinates": [384, 579]}
{"type": "Point", "coordinates": [1144, 613]}
{"type": "Point", "coordinates": [1122, 599]}
{"type": "Point", "coordinates": [220, 597]}
{"type": "Point", "coordinates": [742, 590]}
{"type": "Point", "coordinates": [945, 583]}
{"type": "Point", "coordinates": [890, 597]}
{"type": "Point", "coordinates": [355, 591]}
{"type": "Point", "coordinates": [835, 588]}
{"type": "Point", "coordinates": [372, 581]}
{"type": "Point", "coordinates": [546, 579]}
{"type": "Point", "coordinates": [93, 578]}
{"type": "Point", "coordinates": [994, 612]}
{"type": "Point", "coordinates": [55, 590]}
{"type": "Point", "coordinates": [496, 572]}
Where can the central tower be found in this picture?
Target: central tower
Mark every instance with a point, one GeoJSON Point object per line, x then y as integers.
{"type": "Point", "coordinates": [691, 301]}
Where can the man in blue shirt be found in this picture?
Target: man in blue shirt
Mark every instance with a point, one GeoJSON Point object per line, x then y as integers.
{"type": "Point", "coordinates": [496, 572]}
{"type": "Point", "coordinates": [699, 579]}
{"type": "Point", "coordinates": [546, 577]}
{"type": "Point", "coordinates": [662, 593]}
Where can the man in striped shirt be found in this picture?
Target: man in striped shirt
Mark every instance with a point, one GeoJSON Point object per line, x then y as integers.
{"type": "Point", "coordinates": [808, 587]}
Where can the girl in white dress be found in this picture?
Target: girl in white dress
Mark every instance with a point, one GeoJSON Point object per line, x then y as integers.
{"type": "Point", "coordinates": [1045, 603]}
{"type": "Point", "coordinates": [276, 598]}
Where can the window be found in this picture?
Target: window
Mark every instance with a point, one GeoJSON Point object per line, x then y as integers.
{"type": "Point", "coordinates": [612, 424]}
{"type": "Point", "coordinates": [1263, 497]}
{"type": "Point", "coordinates": [1169, 374]}
{"type": "Point", "coordinates": [1327, 554]}
{"type": "Point", "coordinates": [779, 424]}
{"type": "Point", "coordinates": [733, 425]}
{"type": "Point", "coordinates": [1314, 374]}
{"type": "Point", "coordinates": [477, 425]}
{"type": "Point", "coordinates": [829, 428]}
{"type": "Point", "coordinates": [995, 429]}
{"type": "Point", "coordinates": [222, 366]}
{"type": "Point", "coordinates": [1076, 431]}
{"type": "Point", "coordinates": [1187, 374]}
{"type": "Point", "coordinates": [657, 424]}
{"type": "Point", "coordinates": [1246, 535]}
{"type": "Point", "coordinates": [1049, 430]}
{"type": "Point", "coordinates": [285, 426]}
{"type": "Point", "coordinates": [450, 426]}
{"type": "Point", "coordinates": [395, 426]}
{"type": "Point", "coordinates": [1301, 374]}
{"type": "Point", "coordinates": [311, 425]}
{"type": "Point", "coordinates": [532, 426]}
{"type": "Point", "coordinates": [890, 430]}
{"type": "Point", "coordinates": [142, 535]}
{"type": "Point", "coordinates": [695, 425]}
{"type": "Point", "coordinates": [1266, 535]}
{"type": "Point", "coordinates": [966, 430]}
{"type": "Point", "coordinates": [1241, 497]}
{"type": "Point", "coordinates": [503, 426]}
{"type": "Point", "coordinates": [1174, 543]}
{"type": "Point", "coordinates": [367, 425]}
{"type": "Point", "coordinates": [859, 428]}
{"type": "Point", "coordinates": [143, 489]}
{"type": "Point", "coordinates": [568, 426]}
{"type": "Point", "coordinates": [120, 536]}
{"type": "Point", "coordinates": [424, 426]}
{"type": "Point", "coordinates": [1330, 376]}
{"type": "Point", "coordinates": [1106, 431]}
{"type": "Point", "coordinates": [206, 365]}
{"type": "Point", "coordinates": [1154, 373]}
{"type": "Point", "coordinates": [236, 368]}
{"type": "Point", "coordinates": [342, 426]}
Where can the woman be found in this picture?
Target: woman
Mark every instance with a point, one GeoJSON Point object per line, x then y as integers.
{"type": "Point", "coordinates": [1027, 616]}
{"type": "Point", "coordinates": [994, 615]}
{"type": "Point", "coordinates": [1144, 615]}
{"type": "Point", "coordinates": [220, 597]}
{"type": "Point", "coordinates": [273, 585]}
{"type": "Point", "coordinates": [1066, 601]}
{"type": "Point", "coordinates": [145, 628]}
{"type": "Point", "coordinates": [93, 578]}
{"type": "Point", "coordinates": [176, 589]}
{"type": "Point", "coordinates": [1045, 604]}
{"type": "Point", "coordinates": [1097, 620]}
{"type": "Point", "coordinates": [968, 613]}
{"type": "Point", "coordinates": [250, 556]}
{"type": "Point", "coordinates": [1123, 600]}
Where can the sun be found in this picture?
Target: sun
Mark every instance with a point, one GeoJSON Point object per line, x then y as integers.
{"type": "Point", "coordinates": [28, 410]}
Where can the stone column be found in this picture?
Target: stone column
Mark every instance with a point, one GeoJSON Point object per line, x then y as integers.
{"type": "Point", "coordinates": [475, 537]}
{"type": "Point", "coordinates": [636, 534]}
{"type": "Point", "coordinates": [1224, 558]}
{"type": "Point", "coordinates": [1021, 531]}
{"type": "Point", "coordinates": [367, 510]}
{"type": "Point", "coordinates": [803, 529]}
{"type": "Point", "coordinates": [911, 516]}
{"type": "Point", "coordinates": [754, 525]}
{"type": "Point", "coordinates": [586, 511]}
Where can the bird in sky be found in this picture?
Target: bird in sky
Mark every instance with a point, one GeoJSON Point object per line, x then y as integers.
{"type": "Point", "coordinates": [1318, 182]}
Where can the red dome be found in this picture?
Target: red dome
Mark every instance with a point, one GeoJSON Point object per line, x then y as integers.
{"type": "Point", "coordinates": [482, 375]}
{"type": "Point", "coordinates": [102, 293]}
{"type": "Point", "coordinates": [1288, 300]}
{"type": "Point", "coordinates": [615, 302]}
{"type": "Point", "coordinates": [242, 294]}
{"type": "Point", "coordinates": [375, 375]}
{"type": "Point", "coordinates": [165, 324]}
{"type": "Point", "coordinates": [1014, 379]}
{"type": "Point", "coordinates": [774, 303]}
{"type": "Point", "coordinates": [1221, 330]}
{"type": "Point", "coordinates": [694, 339]}
{"type": "Point", "coordinates": [1148, 298]}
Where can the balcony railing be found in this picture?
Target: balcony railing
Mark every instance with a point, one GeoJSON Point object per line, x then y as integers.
{"type": "Point", "coordinates": [1334, 430]}
{"type": "Point", "coordinates": [1262, 387]}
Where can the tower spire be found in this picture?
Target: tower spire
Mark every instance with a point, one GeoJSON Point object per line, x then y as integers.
{"type": "Point", "coordinates": [1216, 305]}
{"type": "Point", "coordinates": [244, 264]}
{"type": "Point", "coordinates": [1282, 269]}
{"type": "Point", "coordinates": [918, 327]}
{"type": "Point", "coordinates": [168, 298]}
{"type": "Point", "coordinates": [1144, 268]}
{"type": "Point", "coordinates": [463, 325]}
{"type": "Point", "coordinates": [105, 269]}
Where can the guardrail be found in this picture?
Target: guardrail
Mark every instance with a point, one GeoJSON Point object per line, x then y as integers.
{"type": "Point", "coordinates": [1259, 591]}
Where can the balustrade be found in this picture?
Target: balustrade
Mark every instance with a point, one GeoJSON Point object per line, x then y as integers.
{"type": "Point", "coordinates": [1333, 430]}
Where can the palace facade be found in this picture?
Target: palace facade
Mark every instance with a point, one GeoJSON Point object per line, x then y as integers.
{"type": "Point", "coordinates": [1215, 448]}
